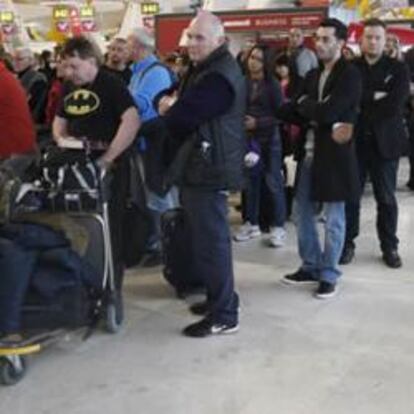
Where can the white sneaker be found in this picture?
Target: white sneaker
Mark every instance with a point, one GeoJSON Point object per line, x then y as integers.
{"type": "Point", "coordinates": [277, 237]}
{"type": "Point", "coordinates": [247, 232]}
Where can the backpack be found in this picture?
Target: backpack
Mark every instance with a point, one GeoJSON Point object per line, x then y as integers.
{"type": "Point", "coordinates": [71, 179]}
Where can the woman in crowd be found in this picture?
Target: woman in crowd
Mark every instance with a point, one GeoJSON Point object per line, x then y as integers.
{"type": "Point", "coordinates": [264, 155]}
{"type": "Point", "coordinates": [290, 84]}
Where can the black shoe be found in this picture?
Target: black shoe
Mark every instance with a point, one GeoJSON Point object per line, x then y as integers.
{"type": "Point", "coordinates": [206, 327]}
{"type": "Point", "coordinates": [347, 255]}
{"type": "Point", "coordinates": [152, 259]}
{"type": "Point", "coordinates": [200, 308]}
{"type": "Point", "coordinates": [326, 290]}
{"type": "Point", "coordinates": [392, 259]}
{"type": "Point", "coordinates": [299, 277]}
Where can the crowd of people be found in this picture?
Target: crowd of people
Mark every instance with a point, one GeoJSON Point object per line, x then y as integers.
{"type": "Point", "coordinates": [209, 124]}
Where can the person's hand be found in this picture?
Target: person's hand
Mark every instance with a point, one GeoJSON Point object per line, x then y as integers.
{"type": "Point", "coordinates": [165, 103]}
{"type": "Point", "coordinates": [69, 142]}
{"type": "Point", "coordinates": [250, 122]}
{"type": "Point", "coordinates": [104, 163]}
{"type": "Point", "coordinates": [301, 99]}
{"type": "Point", "coordinates": [251, 159]}
{"type": "Point", "coordinates": [342, 132]}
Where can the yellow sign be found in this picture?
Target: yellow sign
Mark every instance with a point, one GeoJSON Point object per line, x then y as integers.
{"type": "Point", "coordinates": [87, 12]}
{"type": "Point", "coordinates": [60, 13]}
{"type": "Point", "coordinates": [150, 8]}
{"type": "Point", "coordinates": [7, 17]}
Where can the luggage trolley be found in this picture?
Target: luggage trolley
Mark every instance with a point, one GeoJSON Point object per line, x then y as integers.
{"type": "Point", "coordinates": [108, 306]}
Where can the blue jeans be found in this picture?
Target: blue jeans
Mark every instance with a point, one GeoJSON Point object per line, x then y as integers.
{"type": "Point", "coordinates": [383, 175]}
{"type": "Point", "coordinates": [211, 240]}
{"type": "Point", "coordinates": [323, 264]}
{"type": "Point", "coordinates": [270, 172]}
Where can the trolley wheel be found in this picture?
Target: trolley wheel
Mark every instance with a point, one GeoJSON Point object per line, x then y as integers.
{"type": "Point", "coordinates": [12, 369]}
{"type": "Point", "coordinates": [114, 312]}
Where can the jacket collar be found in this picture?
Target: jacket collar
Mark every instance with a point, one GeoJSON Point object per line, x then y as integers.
{"type": "Point", "coordinates": [195, 70]}
{"type": "Point", "coordinates": [335, 72]}
{"type": "Point", "coordinates": [214, 56]}
{"type": "Point", "coordinates": [141, 65]}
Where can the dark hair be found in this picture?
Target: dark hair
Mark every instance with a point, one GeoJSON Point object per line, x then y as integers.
{"type": "Point", "coordinates": [46, 55]}
{"type": "Point", "coordinates": [374, 23]}
{"type": "Point", "coordinates": [341, 30]}
{"type": "Point", "coordinates": [267, 59]}
{"type": "Point", "coordinates": [282, 60]}
{"type": "Point", "coordinates": [82, 48]}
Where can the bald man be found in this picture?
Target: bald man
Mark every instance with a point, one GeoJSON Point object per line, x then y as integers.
{"type": "Point", "coordinates": [302, 58]}
{"type": "Point", "coordinates": [207, 119]}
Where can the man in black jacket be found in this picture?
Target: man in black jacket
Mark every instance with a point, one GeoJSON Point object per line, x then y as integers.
{"type": "Point", "coordinates": [208, 120]}
{"type": "Point", "coordinates": [33, 81]}
{"type": "Point", "coordinates": [380, 137]}
{"type": "Point", "coordinates": [327, 109]}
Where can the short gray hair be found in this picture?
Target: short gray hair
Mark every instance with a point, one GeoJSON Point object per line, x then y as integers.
{"type": "Point", "coordinates": [24, 51]}
{"type": "Point", "coordinates": [144, 38]}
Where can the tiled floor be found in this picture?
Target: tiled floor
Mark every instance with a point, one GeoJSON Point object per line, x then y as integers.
{"type": "Point", "coordinates": [293, 354]}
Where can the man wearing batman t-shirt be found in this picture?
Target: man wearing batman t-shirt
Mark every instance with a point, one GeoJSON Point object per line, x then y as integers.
{"type": "Point", "coordinates": [97, 106]}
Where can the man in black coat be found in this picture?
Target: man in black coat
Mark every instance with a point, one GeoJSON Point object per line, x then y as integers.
{"type": "Point", "coordinates": [208, 121]}
{"type": "Point", "coordinates": [327, 177]}
{"type": "Point", "coordinates": [380, 137]}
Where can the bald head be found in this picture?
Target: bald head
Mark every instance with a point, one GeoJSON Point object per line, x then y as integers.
{"type": "Point", "coordinates": [205, 35]}
{"type": "Point", "coordinates": [295, 38]}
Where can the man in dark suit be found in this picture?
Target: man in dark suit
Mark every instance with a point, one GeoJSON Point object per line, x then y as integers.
{"type": "Point", "coordinates": [380, 137]}
{"type": "Point", "coordinates": [327, 109]}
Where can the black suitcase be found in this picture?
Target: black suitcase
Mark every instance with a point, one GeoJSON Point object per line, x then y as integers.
{"type": "Point", "coordinates": [179, 269]}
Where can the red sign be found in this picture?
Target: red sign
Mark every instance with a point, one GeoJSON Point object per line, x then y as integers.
{"type": "Point", "coordinates": [88, 25]}
{"type": "Point", "coordinates": [405, 35]}
{"type": "Point", "coordinates": [169, 28]}
{"type": "Point", "coordinates": [8, 29]}
{"type": "Point", "coordinates": [62, 27]}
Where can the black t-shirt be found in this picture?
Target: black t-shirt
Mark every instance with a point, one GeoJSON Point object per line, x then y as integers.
{"type": "Point", "coordinates": [125, 74]}
{"type": "Point", "coordinates": [94, 111]}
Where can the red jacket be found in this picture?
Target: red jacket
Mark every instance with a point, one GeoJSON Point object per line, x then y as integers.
{"type": "Point", "coordinates": [17, 133]}
{"type": "Point", "coordinates": [53, 99]}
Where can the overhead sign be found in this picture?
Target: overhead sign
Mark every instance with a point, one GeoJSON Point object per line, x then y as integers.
{"type": "Point", "coordinates": [6, 17]}
{"type": "Point", "coordinates": [169, 28]}
{"type": "Point", "coordinates": [150, 8]}
{"type": "Point", "coordinates": [73, 19]}
{"type": "Point", "coordinates": [7, 23]}
{"type": "Point", "coordinates": [62, 27]}
{"type": "Point", "coordinates": [60, 13]}
{"type": "Point", "coordinates": [87, 12]}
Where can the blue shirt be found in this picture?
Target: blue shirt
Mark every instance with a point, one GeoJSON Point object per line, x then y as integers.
{"type": "Point", "coordinates": [144, 87]}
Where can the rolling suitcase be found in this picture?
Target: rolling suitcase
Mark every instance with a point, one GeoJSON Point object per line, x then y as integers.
{"type": "Point", "coordinates": [179, 268]}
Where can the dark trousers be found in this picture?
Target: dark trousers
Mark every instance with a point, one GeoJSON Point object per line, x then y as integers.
{"type": "Point", "coordinates": [116, 210]}
{"type": "Point", "coordinates": [269, 173]}
{"type": "Point", "coordinates": [411, 159]}
{"type": "Point", "coordinates": [211, 240]}
{"type": "Point", "coordinates": [383, 173]}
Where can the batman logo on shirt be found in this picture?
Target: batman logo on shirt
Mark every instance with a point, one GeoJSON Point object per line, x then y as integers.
{"type": "Point", "coordinates": [81, 102]}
